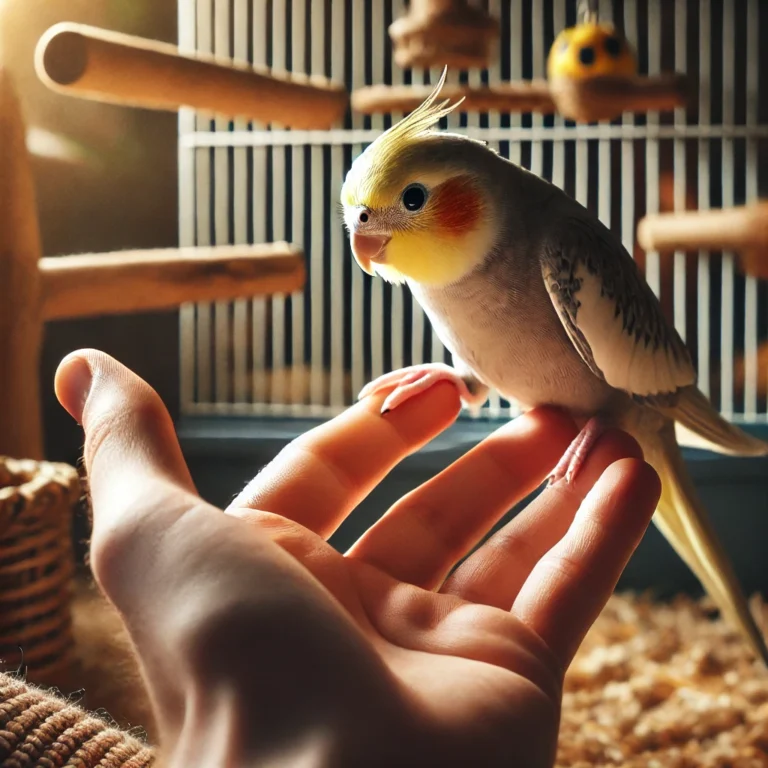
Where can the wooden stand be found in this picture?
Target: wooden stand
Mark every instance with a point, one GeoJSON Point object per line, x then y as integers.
{"type": "Point", "coordinates": [21, 331]}
{"type": "Point", "coordinates": [451, 33]}
{"type": "Point", "coordinates": [743, 229]}
{"type": "Point", "coordinates": [93, 63]}
{"type": "Point", "coordinates": [35, 289]}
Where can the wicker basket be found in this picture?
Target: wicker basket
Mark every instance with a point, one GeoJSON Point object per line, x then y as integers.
{"type": "Point", "coordinates": [37, 501]}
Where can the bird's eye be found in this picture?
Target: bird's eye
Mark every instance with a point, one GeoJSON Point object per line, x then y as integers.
{"type": "Point", "coordinates": [613, 46]}
{"type": "Point", "coordinates": [363, 217]}
{"type": "Point", "coordinates": [414, 197]}
{"type": "Point", "coordinates": [587, 55]}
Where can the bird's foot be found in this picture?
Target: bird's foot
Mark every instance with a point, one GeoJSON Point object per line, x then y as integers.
{"type": "Point", "coordinates": [415, 379]}
{"type": "Point", "coordinates": [573, 459]}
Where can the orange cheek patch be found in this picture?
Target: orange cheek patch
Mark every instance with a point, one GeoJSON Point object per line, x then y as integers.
{"type": "Point", "coordinates": [457, 205]}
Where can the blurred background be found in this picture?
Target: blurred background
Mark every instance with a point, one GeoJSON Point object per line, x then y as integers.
{"type": "Point", "coordinates": [106, 180]}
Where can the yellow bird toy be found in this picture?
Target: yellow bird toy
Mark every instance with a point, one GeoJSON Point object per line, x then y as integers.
{"type": "Point", "coordinates": [591, 50]}
{"type": "Point", "coordinates": [535, 297]}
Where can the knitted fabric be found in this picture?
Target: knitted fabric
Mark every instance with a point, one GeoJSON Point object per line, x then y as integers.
{"type": "Point", "coordinates": [41, 729]}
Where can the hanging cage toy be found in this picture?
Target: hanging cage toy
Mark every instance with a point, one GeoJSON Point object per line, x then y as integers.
{"type": "Point", "coordinates": [592, 74]}
{"type": "Point", "coordinates": [455, 33]}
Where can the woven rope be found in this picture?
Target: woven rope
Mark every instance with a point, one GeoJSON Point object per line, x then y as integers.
{"type": "Point", "coordinates": [40, 729]}
{"type": "Point", "coordinates": [37, 500]}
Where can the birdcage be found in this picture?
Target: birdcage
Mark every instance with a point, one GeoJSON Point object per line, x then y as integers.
{"type": "Point", "coordinates": [308, 354]}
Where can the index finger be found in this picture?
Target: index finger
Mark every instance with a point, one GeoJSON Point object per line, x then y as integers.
{"type": "Point", "coordinates": [320, 477]}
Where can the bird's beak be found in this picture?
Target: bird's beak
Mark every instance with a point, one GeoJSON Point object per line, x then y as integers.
{"type": "Point", "coordinates": [369, 248]}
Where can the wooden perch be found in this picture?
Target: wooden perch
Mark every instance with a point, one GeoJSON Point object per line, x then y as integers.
{"type": "Point", "coordinates": [587, 100]}
{"type": "Point", "coordinates": [20, 248]}
{"type": "Point", "coordinates": [595, 99]}
{"type": "Point", "coordinates": [141, 281]}
{"type": "Point", "coordinates": [452, 33]}
{"type": "Point", "coordinates": [531, 96]}
{"type": "Point", "coordinates": [743, 229]}
{"type": "Point", "coordinates": [729, 229]}
{"type": "Point", "coordinates": [114, 283]}
{"type": "Point", "coordinates": [103, 65]}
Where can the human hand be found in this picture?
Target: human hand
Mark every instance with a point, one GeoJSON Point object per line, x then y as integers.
{"type": "Point", "coordinates": [262, 645]}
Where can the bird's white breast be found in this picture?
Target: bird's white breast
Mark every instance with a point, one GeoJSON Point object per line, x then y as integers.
{"type": "Point", "coordinates": [511, 337]}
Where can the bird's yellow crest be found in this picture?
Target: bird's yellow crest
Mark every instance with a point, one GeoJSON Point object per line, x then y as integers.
{"type": "Point", "coordinates": [368, 182]}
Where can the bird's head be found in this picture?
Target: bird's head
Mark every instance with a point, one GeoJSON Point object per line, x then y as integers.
{"type": "Point", "coordinates": [418, 204]}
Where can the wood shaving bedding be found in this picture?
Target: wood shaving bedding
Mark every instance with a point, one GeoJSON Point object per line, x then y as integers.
{"type": "Point", "coordinates": [664, 685]}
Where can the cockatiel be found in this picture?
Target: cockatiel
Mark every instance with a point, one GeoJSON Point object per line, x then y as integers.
{"type": "Point", "coordinates": [535, 297]}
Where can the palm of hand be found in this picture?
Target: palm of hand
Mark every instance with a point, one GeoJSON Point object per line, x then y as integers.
{"type": "Point", "coordinates": [473, 678]}
{"type": "Point", "coordinates": [250, 625]}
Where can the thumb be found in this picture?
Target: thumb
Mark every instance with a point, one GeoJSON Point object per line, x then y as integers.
{"type": "Point", "coordinates": [128, 430]}
{"type": "Point", "coordinates": [140, 488]}
{"type": "Point", "coordinates": [137, 477]}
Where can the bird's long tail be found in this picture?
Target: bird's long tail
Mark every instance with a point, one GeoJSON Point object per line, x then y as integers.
{"type": "Point", "coordinates": [684, 522]}
{"type": "Point", "coordinates": [699, 425]}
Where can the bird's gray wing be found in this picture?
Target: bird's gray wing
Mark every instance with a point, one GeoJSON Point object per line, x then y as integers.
{"type": "Point", "coordinates": [610, 312]}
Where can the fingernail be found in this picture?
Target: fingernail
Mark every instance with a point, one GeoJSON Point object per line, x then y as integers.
{"type": "Point", "coordinates": [73, 385]}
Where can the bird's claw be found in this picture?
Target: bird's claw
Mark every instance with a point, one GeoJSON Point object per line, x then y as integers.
{"type": "Point", "coordinates": [573, 459]}
{"type": "Point", "coordinates": [413, 380]}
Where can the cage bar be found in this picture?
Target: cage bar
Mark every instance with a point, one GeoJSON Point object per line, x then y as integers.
{"type": "Point", "coordinates": [751, 194]}
{"type": "Point", "coordinates": [240, 214]}
{"type": "Point", "coordinates": [222, 368]}
{"type": "Point", "coordinates": [727, 284]}
{"type": "Point", "coordinates": [260, 195]}
{"type": "Point", "coordinates": [186, 159]}
{"type": "Point", "coordinates": [203, 171]}
{"type": "Point", "coordinates": [337, 299]}
{"type": "Point", "coordinates": [679, 173]}
{"type": "Point", "coordinates": [704, 115]}
{"type": "Point", "coordinates": [298, 63]}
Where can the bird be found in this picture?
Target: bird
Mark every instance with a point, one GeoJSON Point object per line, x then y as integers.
{"type": "Point", "coordinates": [535, 297]}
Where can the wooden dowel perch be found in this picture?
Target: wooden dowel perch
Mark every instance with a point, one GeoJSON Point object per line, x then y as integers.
{"type": "Point", "coordinates": [606, 98]}
{"type": "Point", "coordinates": [141, 281]}
{"type": "Point", "coordinates": [587, 100]}
{"type": "Point", "coordinates": [729, 229]}
{"type": "Point", "coordinates": [743, 229]}
{"type": "Point", "coordinates": [532, 96]}
{"type": "Point", "coordinates": [103, 65]}
{"type": "Point", "coordinates": [115, 283]}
